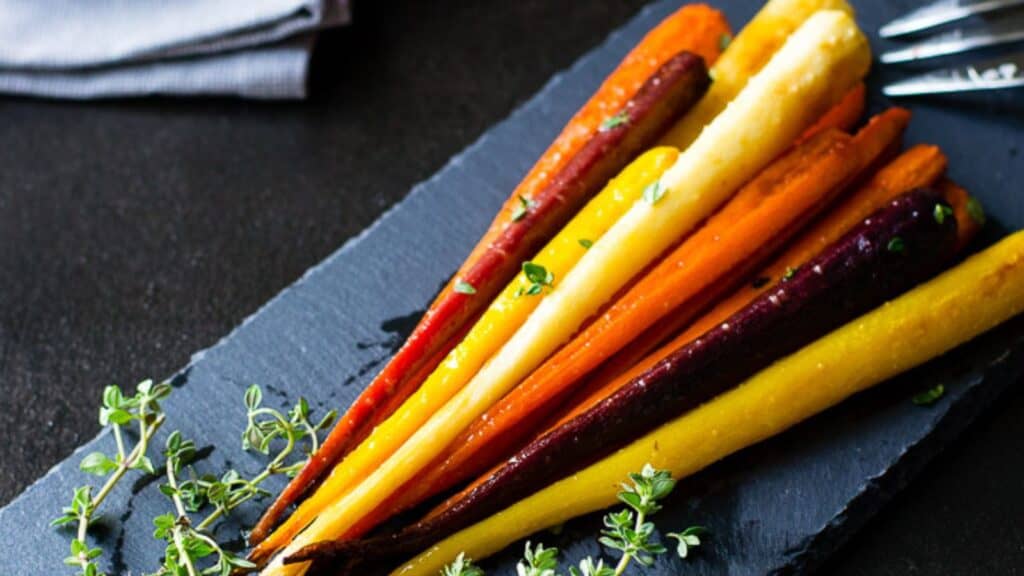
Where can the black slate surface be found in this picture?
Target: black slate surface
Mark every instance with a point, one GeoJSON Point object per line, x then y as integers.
{"type": "Point", "coordinates": [284, 348]}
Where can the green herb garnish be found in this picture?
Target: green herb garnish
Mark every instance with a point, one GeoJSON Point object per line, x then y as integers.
{"type": "Point", "coordinates": [538, 276]}
{"type": "Point", "coordinates": [689, 538]}
{"type": "Point", "coordinates": [191, 548]}
{"type": "Point", "coordinates": [143, 410]}
{"type": "Point", "coordinates": [523, 208]}
{"type": "Point", "coordinates": [929, 396]}
{"type": "Point", "coordinates": [976, 211]}
{"type": "Point", "coordinates": [941, 212]}
{"type": "Point", "coordinates": [654, 192]}
{"type": "Point", "coordinates": [462, 566]}
{"type": "Point", "coordinates": [724, 40]}
{"type": "Point", "coordinates": [463, 287]}
{"type": "Point", "coordinates": [614, 121]}
{"type": "Point", "coordinates": [789, 273]}
{"type": "Point", "coordinates": [586, 243]}
{"type": "Point", "coordinates": [896, 244]}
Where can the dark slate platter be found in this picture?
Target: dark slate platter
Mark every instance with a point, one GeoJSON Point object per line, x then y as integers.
{"type": "Point", "coordinates": [780, 507]}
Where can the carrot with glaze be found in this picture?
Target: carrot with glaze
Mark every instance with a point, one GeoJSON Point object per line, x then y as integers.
{"type": "Point", "coordinates": [762, 216]}
{"type": "Point", "coordinates": [859, 272]}
{"type": "Point", "coordinates": [671, 89]}
{"type": "Point", "coordinates": [820, 62]}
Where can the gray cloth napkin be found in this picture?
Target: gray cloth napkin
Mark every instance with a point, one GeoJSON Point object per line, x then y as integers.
{"type": "Point", "coordinates": [113, 48]}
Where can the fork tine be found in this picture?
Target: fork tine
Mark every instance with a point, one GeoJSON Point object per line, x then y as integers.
{"type": "Point", "coordinates": [1006, 72]}
{"type": "Point", "coordinates": [1001, 31]}
{"type": "Point", "coordinates": [942, 12]}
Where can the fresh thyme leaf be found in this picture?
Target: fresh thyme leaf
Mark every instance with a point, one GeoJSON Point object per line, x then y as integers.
{"type": "Point", "coordinates": [614, 121]}
{"type": "Point", "coordinates": [463, 287]}
{"type": "Point", "coordinates": [654, 192]}
{"type": "Point", "coordinates": [687, 539]}
{"type": "Point", "coordinates": [538, 561]}
{"type": "Point", "coordinates": [896, 244]}
{"type": "Point", "coordinates": [97, 464]}
{"type": "Point", "coordinates": [538, 276]}
{"type": "Point", "coordinates": [586, 243]}
{"type": "Point", "coordinates": [724, 40]}
{"type": "Point", "coordinates": [929, 396]}
{"type": "Point", "coordinates": [976, 211]}
{"type": "Point", "coordinates": [788, 274]}
{"type": "Point", "coordinates": [589, 568]}
{"type": "Point", "coordinates": [461, 566]}
{"type": "Point", "coordinates": [941, 212]}
{"type": "Point", "coordinates": [523, 208]}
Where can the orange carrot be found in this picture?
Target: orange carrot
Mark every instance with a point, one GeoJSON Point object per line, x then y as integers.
{"type": "Point", "coordinates": [763, 214]}
{"type": "Point", "coordinates": [843, 115]}
{"type": "Point", "coordinates": [695, 28]}
{"type": "Point", "coordinates": [918, 167]}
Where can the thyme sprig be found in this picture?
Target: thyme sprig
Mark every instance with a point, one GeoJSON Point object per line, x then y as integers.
{"type": "Point", "coordinates": [628, 532]}
{"type": "Point", "coordinates": [191, 548]}
{"type": "Point", "coordinates": [118, 412]}
{"type": "Point", "coordinates": [189, 544]}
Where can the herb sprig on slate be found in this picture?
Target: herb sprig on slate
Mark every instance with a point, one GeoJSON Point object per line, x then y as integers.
{"type": "Point", "coordinates": [117, 414]}
{"type": "Point", "coordinates": [191, 549]}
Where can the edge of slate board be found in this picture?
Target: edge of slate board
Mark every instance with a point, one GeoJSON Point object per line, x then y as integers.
{"type": "Point", "coordinates": [806, 495]}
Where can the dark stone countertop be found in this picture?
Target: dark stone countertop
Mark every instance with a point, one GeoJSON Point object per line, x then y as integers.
{"type": "Point", "coordinates": [133, 233]}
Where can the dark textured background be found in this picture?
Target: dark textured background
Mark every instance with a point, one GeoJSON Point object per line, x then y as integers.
{"type": "Point", "coordinates": [134, 233]}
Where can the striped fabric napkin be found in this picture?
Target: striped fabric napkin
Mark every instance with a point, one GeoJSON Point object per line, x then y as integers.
{"type": "Point", "coordinates": [83, 49]}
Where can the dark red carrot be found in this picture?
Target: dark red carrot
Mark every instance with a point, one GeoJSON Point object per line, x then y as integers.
{"type": "Point", "coordinates": [676, 86]}
{"type": "Point", "coordinates": [888, 253]}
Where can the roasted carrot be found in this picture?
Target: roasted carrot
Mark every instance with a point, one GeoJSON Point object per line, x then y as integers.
{"type": "Point", "coordinates": [849, 278]}
{"type": "Point", "coordinates": [924, 323]}
{"type": "Point", "coordinates": [501, 319]}
{"type": "Point", "coordinates": [821, 61]}
{"type": "Point", "coordinates": [696, 29]}
{"type": "Point", "coordinates": [748, 52]}
{"type": "Point", "coordinates": [762, 216]}
{"type": "Point", "coordinates": [844, 115]}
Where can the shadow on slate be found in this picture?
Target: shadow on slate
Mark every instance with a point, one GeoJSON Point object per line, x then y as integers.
{"type": "Point", "coordinates": [780, 507]}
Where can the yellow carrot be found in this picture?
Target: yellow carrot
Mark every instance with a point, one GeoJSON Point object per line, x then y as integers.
{"type": "Point", "coordinates": [820, 62]}
{"type": "Point", "coordinates": [745, 56]}
{"type": "Point", "coordinates": [924, 323]}
{"type": "Point", "coordinates": [499, 322]}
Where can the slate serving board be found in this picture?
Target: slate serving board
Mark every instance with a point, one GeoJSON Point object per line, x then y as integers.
{"type": "Point", "coordinates": [780, 507]}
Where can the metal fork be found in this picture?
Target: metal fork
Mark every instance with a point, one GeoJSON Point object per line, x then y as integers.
{"type": "Point", "coordinates": [1000, 26]}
